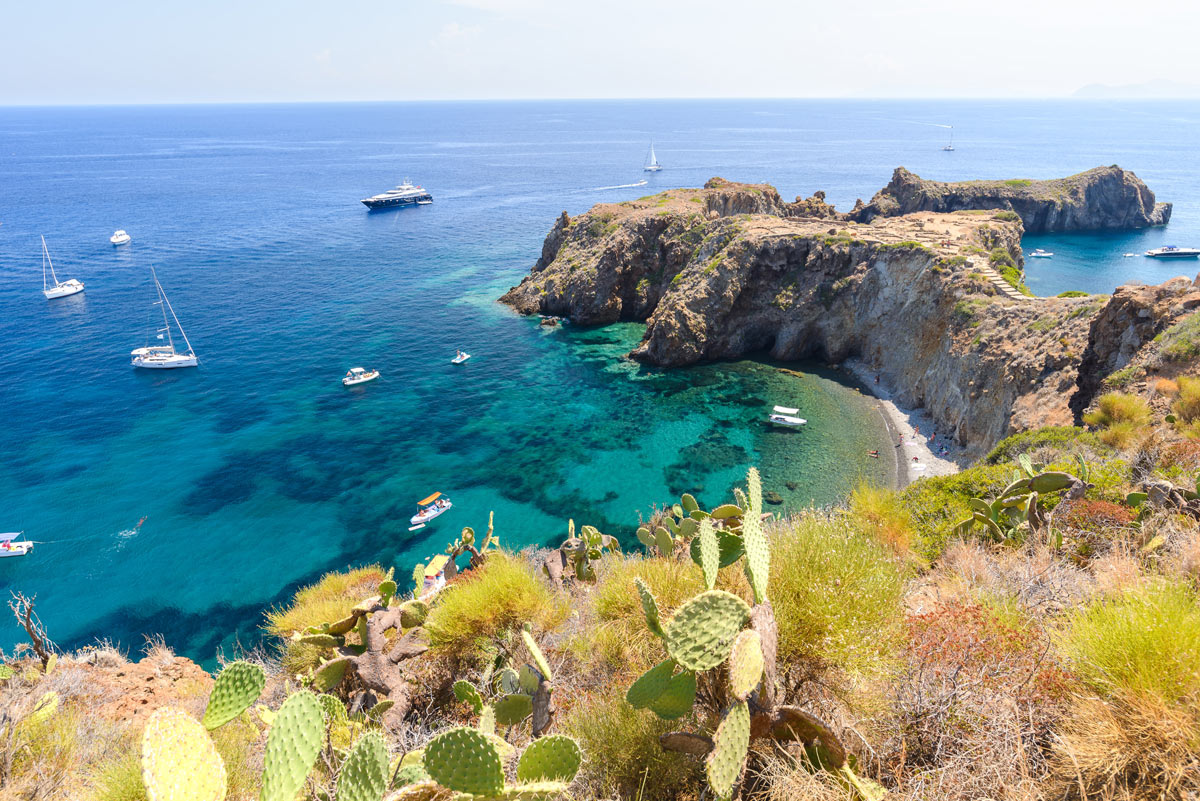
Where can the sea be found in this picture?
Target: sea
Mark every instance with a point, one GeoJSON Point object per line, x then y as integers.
{"type": "Point", "coordinates": [184, 503]}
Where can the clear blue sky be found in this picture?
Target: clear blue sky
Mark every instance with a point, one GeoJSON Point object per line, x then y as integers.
{"type": "Point", "coordinates": [135, 51]}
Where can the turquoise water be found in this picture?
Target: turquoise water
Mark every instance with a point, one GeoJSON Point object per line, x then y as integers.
{"type": "Point", "coordinates": [258, 471]}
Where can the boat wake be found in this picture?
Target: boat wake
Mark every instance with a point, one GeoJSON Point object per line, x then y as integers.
{"type": "Point", "coordinates": [618, 186]}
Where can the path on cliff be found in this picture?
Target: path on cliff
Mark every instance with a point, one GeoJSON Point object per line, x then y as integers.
{"type": "Point", "coordinates": [1007, 289]}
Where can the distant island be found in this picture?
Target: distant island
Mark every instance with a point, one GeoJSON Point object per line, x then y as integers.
{"type": "Point", "coordinates": [1161, 89]}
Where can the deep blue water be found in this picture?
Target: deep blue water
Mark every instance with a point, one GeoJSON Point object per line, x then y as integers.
{"type": "Point", "coordinates": [258, 471]}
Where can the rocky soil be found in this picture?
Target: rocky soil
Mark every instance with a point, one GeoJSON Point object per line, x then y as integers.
{"type": "Point", "coordinates": [731, 269]}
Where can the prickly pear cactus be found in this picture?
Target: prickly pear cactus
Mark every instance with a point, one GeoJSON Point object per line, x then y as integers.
{"type": "Point", "coordinates": [703, 629]}
{"type": "Point", "coordinates": [514, 708]}
{"type": "Point", "coordinates": [387, 589]}
{"type": "Point", "coordinates": [413, 613]}
{"type": "Point", "coordinates": [237, 687]}
{"type": "Point", "coordinates": [466, 761]}
{"type": "Point", "coordinates": [650, 685]}
{"type": "Point", "coordinates": [465, 692]}
{"type": "Point", "coordinates": [410, 774]}
{"type": "Point", "coordinates": [677, 698]}
{"type": "Point", "coordinates": [745, 664]}
{"type": "Point", "coordinates": [292, 746]}
{"type": "Point", "coordinates": [710, 553]}
{"type": "Point", "coordinates": [364, 774]}
{"type": "Point", "coordinates": [550, 758]}
{"type": "Point", "coordinates": [731, 742]}
{"type": "Point", "coordinates": [539, 659]}
{"type": "Point", "coordinates": [179, 761]}
{"type": "Point", "coordinates": [330, 674]}
{"type": "Point", "coordinates": [649, 606]}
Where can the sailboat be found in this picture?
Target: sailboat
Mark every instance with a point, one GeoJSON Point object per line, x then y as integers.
{"type": "Point", "coordinates": [652, 164]}
{"type": "Point", "coordinates": [164, 357]}
{"type": "Point", "coordinates": [60, 289]}
{"type": "Point", "coordinates": [951, 145]}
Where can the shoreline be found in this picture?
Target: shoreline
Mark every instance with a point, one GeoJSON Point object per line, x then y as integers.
{"type": "Point", "coordinates": [915, 458]}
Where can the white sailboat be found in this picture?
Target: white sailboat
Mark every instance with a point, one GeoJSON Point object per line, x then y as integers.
{"type": "Point", "coordinates": [164, 357]}
{"type": "Point", "coordinates": [652, 164]}
{"type": "Point", "coordinates": [60, 289]}
{"type": "Point", "coordinates": [951, 145]}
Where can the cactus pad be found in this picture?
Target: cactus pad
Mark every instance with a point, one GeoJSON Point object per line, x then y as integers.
{"type": "Point", "coordinates": [730, 743]}
{"type": "Point", "coordinates": [364, 774]}
{"type": "Point", "coordinates": [466, 761]}
{"type": "Point", "coordinates": [710, 553]}
{"type": "Point", "coordinates": [333, 708]}
{"type": "Point", "coordinates": [428, 790]}
{"type": "Point", "coordinates": [487, 720]}
{"type": "Point", "coordinates": [745, 664]}
{"type": "Point", "coordinates": [754, 488]}
{"type": "Point", "coordinates": [292, 746]}
{"type": "Point", "coordinates": [179, 761]}
{"type": "Point", "coordinates": [386, 590]}
{"type": "Point", "coordinates": [678, 697]}
{"type": "Point", "coordinates": [703, 629]}
{"type": "Point", "coordinates": [688, 503]}
{"type": "Point", "coordinates": [343, 626]}
{"type": "Point", "coordinates": [731, 548]}
{"type": "Point", "coordinates": [237, 687]}
{"type": "Point", "coordinates": [1051, 482]}
{"type": "Point", "coordinates": [536, 791]}
{"type": "Point", "coordinates": [330, 674]}
{"type": "Point", "coordinates": [465, 692]}
{"type": "Point", "coordinates": [527, 681]}
{"type": "Point", "coordinates": [539, 660]}
{"type": "Point", "coordinates": [413, 613]}
{"type": "Point", "coordinates": [650, 685]}
{"type": "Point", "coordinates": [510, 680]}
{"type": "Point", "coordinates": [321, 640]}
{"type": "Point", "coordinates": [410, 774]}
{"type": "Point", "coordinates": [758, 556]}
{"type": "Point", "coordinates": [649, 606]}
{"type": "Point", "coordinates": [662, 539]}
{"type": "Point", "coordinates": [727, 511]}
{"type": "Point", "coordinates": [645, 537]}
{"type": "Point", "coordinates": [512, 709]}
{"type": "Point", "coordinates": [554, 758]}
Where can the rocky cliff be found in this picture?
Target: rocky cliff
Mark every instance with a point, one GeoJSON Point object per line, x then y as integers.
{"type": "Point", "coordinates": [730, 270]}
{"type": "Point", "coordinates": [1101, 198]}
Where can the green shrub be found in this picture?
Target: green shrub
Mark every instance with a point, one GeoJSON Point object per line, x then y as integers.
{"type": "Point", "coordinates": [999, 257]}
{"type": "Point", "coordinates": [937, 503]}
{"type": "Point", "coordinates": [1017, 183]}
{"type": "Point", "coordinates": [1006, 215]}
{"type": "Point", "coordinates": [624, 758]}
{"type": "Point", "coordinates": [1181, 341]}
{"type": "Point", "coordinates": [120, 778]}
{"type": "Point", "coordinates": [1187, 403]}
{"type": "Point", "coordinates": [494, 599]}
{"type": "Point", "coordinates": [1072, 293]}
{"type": "Point", "coordinates": [1146, 641]}
{"type": "Point", "coordinates": [328, 600]}
{"type": "Point", "coordinates": [837, 595]}
{"type": "Point", "coordinates": [1117, 407]}
{"type": "Point", "coordinates": [878, 512]}
{"type": "Point", "coordinates": [1065, 439]}
{"type": "Point", "coordinates": [1123, 377]}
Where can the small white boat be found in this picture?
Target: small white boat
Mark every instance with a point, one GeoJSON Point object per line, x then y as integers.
{"type": "Point", "coordinates": [164, 357]}
{"type": "Point", "coordinates": [460, 357]}
{"type": "Point", "coordinates": [1041, 254]}
{"type": "Point", "coordinates": [60, 289]}
{"type": "Point", "coordinates": [119, 237]}
{"type": "Point", "coordinates": [11, 546]}
{"type": "Point", "coordinates": [1128, 255]}
{"type": "Point", "coordinates": [431, 507]}
{"type": "Point", "coordinates": [425, 202]}
{"type": "Point", "coordinates": [785, 416]}
{"type": "Point", "coordinates": [950, 146]}
{"type": "Point", "coordinates": [652, 164]}
{"type": "Point", "coordinates": [1172, 252]}
{"type": "Point", "coordinates": [359, 375]}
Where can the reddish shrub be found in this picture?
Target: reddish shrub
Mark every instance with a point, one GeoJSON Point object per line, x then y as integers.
{"type": "Point", "coordinates": [1096, 515]}
{"type": "Point", "coordinates": [1184, 454]}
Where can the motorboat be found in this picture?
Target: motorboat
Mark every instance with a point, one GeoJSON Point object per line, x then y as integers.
{"type": "Point", "coordinates": [652, 164]}
{"type": "Point", "coordinates": [1041, 254]}
{"type": "Point", "coordinates": [1128, 255]}
{"type": "Point", "coordinates": [431, 507]}
{"type": "Point", "coordinates": [119, 237]}
{"type": "Point", "coordinates": [164, 357]}
{"type": "Point", "coordinates": [358, 375]}
{"type": "Point", "coordinates": [11, 546]}
{"type": "Point", "coordinates": [406, 194]}
{"type": "Point", "coordinates": [59, 289]}
{"type": "Point", "coordinates": [460, 357]}
{"type": "Point", "coordinates": [1173, 252]}
{"type": "Point", "coordinates": [786, 416]}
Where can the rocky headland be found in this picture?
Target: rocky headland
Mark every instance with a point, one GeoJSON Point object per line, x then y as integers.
{"type": "Point", "coordinates": [917, 294]}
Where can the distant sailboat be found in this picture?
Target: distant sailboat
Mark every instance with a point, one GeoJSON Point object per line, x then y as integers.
{"type": "Point", "coordinates": [652, 164]}
{"type": "Point", "coordinates": [951, 145]}
{"type": "Point", "coordinates": [60, 289]}
{"type": "Point", "coordinates": [164, 357]}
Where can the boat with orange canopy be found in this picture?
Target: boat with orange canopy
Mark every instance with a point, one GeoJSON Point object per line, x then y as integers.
{"type": "Point", "coordinates": [431, 507]}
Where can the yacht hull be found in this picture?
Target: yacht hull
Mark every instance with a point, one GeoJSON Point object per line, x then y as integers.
{"type": "Point", "coordinates": [146, 359]}
{"type": "Point", "coordinates": [391, 203]}
{"type": "Point", "coordinates": [63, 290]}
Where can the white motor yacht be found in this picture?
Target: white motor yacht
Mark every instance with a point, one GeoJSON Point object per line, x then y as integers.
{"type": "Point", "coordinates": [164, 357]}
{"type": "Point", "coordinates": [1172, 252]}
{"type": "Point", "coordinates": [59, 289]}
{"type": "Point", "coordinates": [359, 375]}
{"type": "Point", "coordinates": [119, 237]}
{"type": "Point", "coordinates": [1041, 254]}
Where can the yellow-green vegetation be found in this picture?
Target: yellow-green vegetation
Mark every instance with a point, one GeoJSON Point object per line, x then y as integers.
{"type": "Point", "coordinates": [1187, 399]}
{"type": "Point", "coordinates": [1119, 416]}
{"type": "Point", "coordinates": [489, 602]}
{"type": "Point", "coordinates": [1181, 341]}
{"type": "Point", "coordinates": [879, 512]}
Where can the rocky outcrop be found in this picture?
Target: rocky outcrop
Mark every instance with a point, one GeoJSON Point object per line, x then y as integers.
{"type": "Point", "coordinates": [729, 270]}
{"type": "Point", "coordinates": [1099, 199]}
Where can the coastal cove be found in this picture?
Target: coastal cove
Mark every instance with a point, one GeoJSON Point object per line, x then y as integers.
{"type": "Point", "coordinates": [258, 472]}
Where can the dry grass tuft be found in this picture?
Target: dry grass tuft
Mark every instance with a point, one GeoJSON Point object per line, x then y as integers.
{"type": "Point", "coordinates": [878, 512]}
{"type": "Point", "coordinates": [328, 600]}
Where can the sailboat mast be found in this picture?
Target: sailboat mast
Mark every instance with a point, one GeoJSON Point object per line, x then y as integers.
{"type": "Point", "coordinates": [46, 259]}
{"type": "Point", "coordinates": [174, 317]}
{"type": "Point", "coordinates": [162, 298]}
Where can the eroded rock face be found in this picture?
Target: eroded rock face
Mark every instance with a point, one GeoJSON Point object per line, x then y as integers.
{"type": "Point", "coordinates": [902, 293]}
{"type": "Point", "coordinates": [1099, 199]}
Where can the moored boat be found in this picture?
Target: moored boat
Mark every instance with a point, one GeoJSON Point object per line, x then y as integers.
{"type": "Point", "coordinates": [119, 237]}
{"type": "Point", "coordinates": [1041, 254]}
{"type": "Point", "coordinates": [406, 194]}
{"type": "Point", "coordinates": [460, 357]}
{"type": "Point", "coordinates": [59, 289]}
{"type": "Point", "coordinates": [786, 416]}
{"type": "Point", "coordinates": [431, 507]}
{"type": "Point", "coordinates": [1173, 252]}
{"type": "Point", "coordinates": [358, 375]}
{"type": "Point", "coordinates": [652, 164]}
{"type": "Point", "coordinates": [164, 357]}
{"type": "Point", "coordinates": [11, 546]}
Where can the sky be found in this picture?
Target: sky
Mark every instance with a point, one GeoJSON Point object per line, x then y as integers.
{"type": "Point", "coordinates": [133, 51]}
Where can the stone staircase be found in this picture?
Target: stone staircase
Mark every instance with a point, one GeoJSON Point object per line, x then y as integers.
{"type": "Point", "coordinates": [1006, 289]}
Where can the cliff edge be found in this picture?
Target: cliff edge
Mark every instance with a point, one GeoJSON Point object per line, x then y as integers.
{"type": "Point", "coordinates": [1102, 198]}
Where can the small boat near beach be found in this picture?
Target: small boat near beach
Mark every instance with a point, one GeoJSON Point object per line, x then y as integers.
{"type": "Point", "coordinates": [358, 375]}
{"type": "Point", "coordinates": [1041, 254]}
{"type": "Point", "coordinates": [431, 507]}
{"type": "Point", "coordinates": [119, 237]}
{"type": "Point", "coordinates": [460, 357]}
{"type": "Point", "coordinates": [11, 546]}
{"type": "Point", "coordinates": [786, 416]}
{"type": "Point", "coordinates": [164, 357]}
{"type": "Point", "coordinates": [60, 289]}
